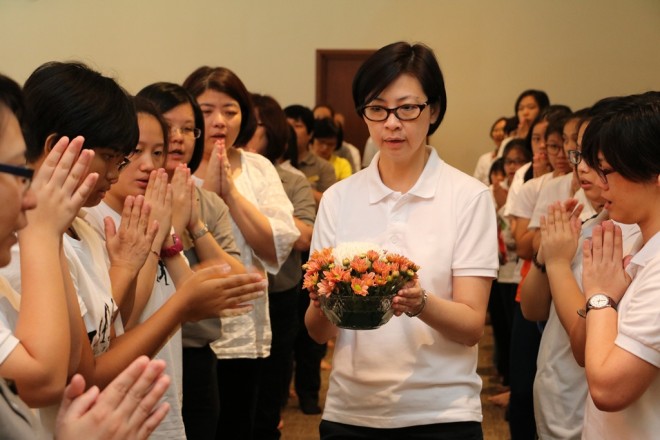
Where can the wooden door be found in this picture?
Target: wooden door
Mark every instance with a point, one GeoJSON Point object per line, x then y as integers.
{"type": "Point", "coordinates": [335, 70]}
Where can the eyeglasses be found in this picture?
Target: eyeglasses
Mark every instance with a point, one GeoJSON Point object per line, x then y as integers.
{"type": "Point", "coordinates": [603, 173]}
{"type": "Point", "coordinates": [406, 112]}
{"type": "Point", "coordinates": [24, 174]}
{"type": "Point", "coordinates": [515, 161]}
{"type": "Point", "coordinates": [186, 131]}
{"type": "Point", "coordinates": [553, 148]}
{"type": "Point", "coordinates": [574, 157]}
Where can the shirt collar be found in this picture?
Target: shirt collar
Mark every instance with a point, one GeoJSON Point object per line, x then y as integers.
{"type": "Point", "coordinates": [424, 188]}
{"type": "Point", "coordinates": [649, 251]}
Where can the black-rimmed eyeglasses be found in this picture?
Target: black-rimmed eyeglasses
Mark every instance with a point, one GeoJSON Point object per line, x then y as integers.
{"type": "Point", "coordinates": [574, 157]}
{"type": "Point", "coordinates": [24, 174]}
{"type": "Point", "coordinates": [405, 112]}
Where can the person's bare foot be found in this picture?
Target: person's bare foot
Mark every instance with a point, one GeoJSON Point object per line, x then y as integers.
{"type": "Point", "coordinates": [501, 400]}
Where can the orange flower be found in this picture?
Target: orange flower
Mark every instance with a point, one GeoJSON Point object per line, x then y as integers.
{"type": "Point", "coordinates": [310, 281]}
{"type": "Point", "coordinates": [337, 274]}
{"type": "Point", "coordinates": [381, 267]}
{"type": "Point", "coordinates": [360, 265]}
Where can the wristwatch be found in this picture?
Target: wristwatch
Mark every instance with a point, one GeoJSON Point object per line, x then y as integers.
{"type": "Point", "coordinates": [599, 301]}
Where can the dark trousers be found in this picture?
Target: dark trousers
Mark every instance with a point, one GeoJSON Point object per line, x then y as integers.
{"type": "Point", "coordinates": [283, 309]}
{"type": "Point", "coordinates": [238, 384]}
{"type": "Point", "coordinates": [201, 404]}
{"type": "Point", "coordinates": [443, 431]}
{"type": "Point", "coordinates": [525, 340]}
{"type": "Point", "coordinates": [307, 356]}
{"type": "Point", "coordinates": [501, 305]}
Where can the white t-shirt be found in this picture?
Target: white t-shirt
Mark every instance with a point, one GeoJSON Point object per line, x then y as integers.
{"type": "Point", "coordinates": [405, 373]}
{"type": "Point", "coordinates": [514, 189]}
{"type": "Point", "coordinates": [638, 324]}
{"type": "Point", "coordinates": [557, 189]}
{"type": "Point", "coordinates": [172, 426]}
{"type": "Point", "coordinates": [560, 385]}
{"type": "Point", "coordinates": [482, 169]}
{"type": "Point", "coordinates": [249, 335]}
{"type": "Point", "coordinates": [523, 206]}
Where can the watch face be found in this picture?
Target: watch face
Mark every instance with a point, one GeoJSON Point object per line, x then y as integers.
{"type": "Point", "coordinates": [599, 301]}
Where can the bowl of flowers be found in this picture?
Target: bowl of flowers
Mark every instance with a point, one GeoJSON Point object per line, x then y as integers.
{"type": "Point", "coordinates": [356, 283]}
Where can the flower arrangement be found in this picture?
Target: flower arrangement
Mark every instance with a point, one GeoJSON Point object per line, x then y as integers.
{"type": "Point", "coordinates": [356, 283]}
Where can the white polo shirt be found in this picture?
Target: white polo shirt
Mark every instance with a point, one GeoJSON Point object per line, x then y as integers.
{"type": "Point", "coordinates": [638, 327]}
{"type": "Point", "coordinates": [514, 189]}
{"type": "Point", "coordinates": [405, 373]}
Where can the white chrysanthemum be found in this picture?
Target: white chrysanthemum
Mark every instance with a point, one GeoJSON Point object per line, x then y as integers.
{"type": "Point", "coordinates": [353, 248]}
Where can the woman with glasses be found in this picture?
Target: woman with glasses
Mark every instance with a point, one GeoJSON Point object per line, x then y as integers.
{"type": "Point", "coordinates": [204, 226]}
{"type": "Point", "coordinates": [415, 377]}
{"type": "Point", "coordinates": [620, 336]}
{"type": "Point", "coordinates": [552, 292]}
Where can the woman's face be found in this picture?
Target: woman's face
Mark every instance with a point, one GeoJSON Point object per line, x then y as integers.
{"type": "Point", "coordinates": [323, 147]}
{"type": "Point", "coordinates": [222, 118]}
{"type": "Point", "coordinates": [556, 155]}
{"type": "Point", "coordinates": [497, 133]}
{"type": "Point", "coordinates": [147, 156]}
{"type": "Point", "coordinates": [513, 160]}
{"type": "Point", "coordinates": [181, 120]}
{"type": "Point", "coordinates": [401, 140]}
{"type": "Point", "coordinates": [586, 176]}
{"type": "Point", "coordinates": [15, 194]}
{"type": "Point", "coordinates": [528, 109]}
{"type": "Point", "coordinates": [539, 149]}
{"type": "Point", "coordinates": [259, 141]}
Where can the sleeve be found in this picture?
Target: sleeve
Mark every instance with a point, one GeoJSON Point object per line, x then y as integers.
{"type": "Point", "coordinates": [523, 205]}
{"type": "Point", "coordinates": [216, 215]}
{"type": "Point", "coordinates": [327, 176]}
{"type": "Point", "coordinates": [475, 249]}
{"type": "Point", "coordinates": [640, 319]}
{"type": "Point", "coordinates": [304, 206]}
{"type": "Point", "coordinates": [273, 202]}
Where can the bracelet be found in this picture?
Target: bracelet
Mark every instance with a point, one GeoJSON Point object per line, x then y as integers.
{"type": "Point", "coordinates": [199, 234]}
{"type": "Point", "coordinates": [421, 307]}
{"type": "Point", "coordinates": [536, 263]}
{"type": "Point", "coordinates": [171, 251]}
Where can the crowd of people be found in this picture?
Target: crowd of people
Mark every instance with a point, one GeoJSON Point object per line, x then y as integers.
{"type": "Point", "coordinates": [151, 250]}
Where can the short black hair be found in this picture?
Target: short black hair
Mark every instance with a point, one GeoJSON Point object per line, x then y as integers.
{"type": "Point", "coordinates": [496, 167]}
{"type": "Point", "coordinates": [627, 132]}
{"type": "Point", "coordinates": [146, 106]}
{"type": "Point", "coordinates": [70, 99]}
{"type": "Point", "coordinates": [301, 113]}
{"type": "Point", "coordinates": [521, 146]}
{"type": "Point", "coordinates": [396, 59]}
{"type": "Point", "coordinates": [11, 96]}
{"type": "Point", "coordinates": [165, 97]}
{"type": "Point", "coordinates": [326, 128]}
{"type": "Point", "coordinates": [273, 119]}
{"type": "Point", "coordinates": [225, 81]}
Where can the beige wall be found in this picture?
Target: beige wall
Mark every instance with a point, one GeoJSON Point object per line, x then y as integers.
{"type": "Point", "coordinates": [576, 50]}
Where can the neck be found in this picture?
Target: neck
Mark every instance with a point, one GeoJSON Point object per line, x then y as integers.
{"type": "Point", "coordinates": [201, 169]}
{"type": "Point", "coordinates": [402, 175]}
{"type": "Point", "coordinates": [115, 202]}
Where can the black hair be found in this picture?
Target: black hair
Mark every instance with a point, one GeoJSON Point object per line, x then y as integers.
{"type": "Point", "coordinates": [511, 125]}
{"type": "Point", "coordinates": [521, 146]}
{"type": "Point", "coordinates": [497, 121]}
{"type": "Point", "coordinates": [396, 59]}
{"type": "Point", "coordinates": [556, 126]}
{"type": "Point", "coordinates": [302, 114]}
{"type": "Point", "coordinates": [165, 96]}
{"type": "Point", "coordinates": [11, 96]}
{"type": "Point", "coordinates": [550, 114]}
{"type": "Point", "coordinates": [496, 166]}
{"type": "Point", "coordinates": [291, 152]}
{"type": "Point", "coordinates": [332, 111]}
{"type": "Point", "coordinates": [273, 120]}
{"type": "Point", "coordinates": [70, 99]}
{"type": "Point", "coordinates": [627, 132]}
{"type": "Point", "coordinates": [223, 80]}
{"type": "Point", "coordinates": [326, 128]}
{"type": "Point", "coordinates": [539, 96]}
{"type": "Point", "coordinates": [146, 106]}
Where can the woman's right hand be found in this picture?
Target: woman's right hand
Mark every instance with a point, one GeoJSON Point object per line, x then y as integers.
{"type": "Point", "coordinates": [159, 196]}
{"type": "Point", "coordinates": [218, 177]}
{"type": "Point", "coordinates": [560, 233]}
{"type": "Point", "coordinates": [61, 186]}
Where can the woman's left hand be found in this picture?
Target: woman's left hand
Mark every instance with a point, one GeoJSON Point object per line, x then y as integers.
{"type": "Point", "coordinates": [410, 299]}
{"type": "Point", "coordinates": [219, 175]}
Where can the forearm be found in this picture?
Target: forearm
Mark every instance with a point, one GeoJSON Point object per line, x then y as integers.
{"type": "Point", "coordinates": [124, 284]}
{"type": "Point", "coordinates": [601, 331]}
{"type": "Point", "coordinates": [144, 287]}
{"type": "Point", "coordinates": [524, 246]}
{"type": "Point", "coordinates": [178, 268]}
{"type": "Point", "coordinates": [73, 308]}
{"type": "Point", "coordinates": [209, 250]}
{"type": "Point", "coordinates": [254, 226]}
{"type": "Point", "coordinates": [458, 322]}
{"type": "Point", "coordinates": [566, 293]}
{"type": "Point", "coordinates": [43, 326]}
{"type": "Point", "coordinates": [535, 297]}
{"type": "Point", "coordinates": [319, 328]}
{"type": "Point", "coordinates": [305, 239]}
